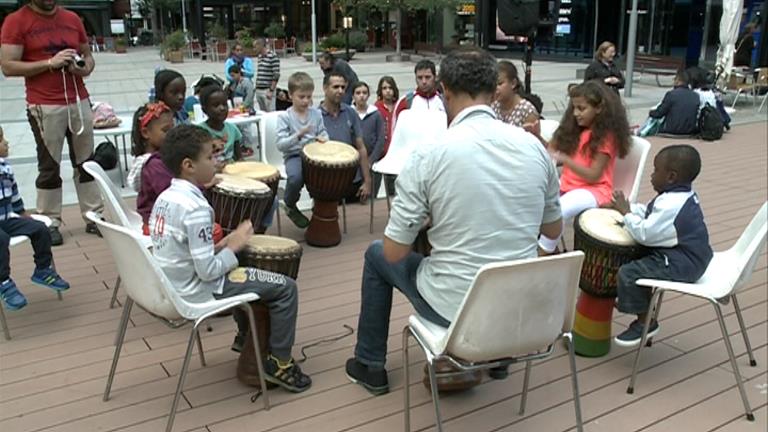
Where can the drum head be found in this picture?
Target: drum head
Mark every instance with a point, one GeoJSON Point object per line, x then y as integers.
{"type": "Point", "coordinates": [331, 153]}
{"type": "Point", "coordinates": [270, 245]}
{"type": "Point", "coordinates": [237, 185]}
{"type": "Point", "coordinates": [605, 225]}
{"type": "Point", "coordinates": [251, 169]}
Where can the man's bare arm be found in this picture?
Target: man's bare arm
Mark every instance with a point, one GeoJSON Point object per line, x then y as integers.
{"type": "Point", "coordinates": [12, 65]}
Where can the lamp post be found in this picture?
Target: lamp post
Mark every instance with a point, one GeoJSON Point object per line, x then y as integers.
{"type": "Point", "coordinates": [347, 23]}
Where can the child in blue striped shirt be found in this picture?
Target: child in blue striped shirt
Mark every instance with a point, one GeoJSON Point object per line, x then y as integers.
{"type": "Point", "coordinates": [14, 222]}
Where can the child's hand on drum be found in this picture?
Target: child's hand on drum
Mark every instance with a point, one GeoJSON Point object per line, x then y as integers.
{"type": "Point", "coordinates": [238, 238]}
{"type": "Point", "coordinates": [305, 130]}
{"type": "Point", "coordinates": [620, 202]}
{"type": "Point", "coordinates": [214, 181]}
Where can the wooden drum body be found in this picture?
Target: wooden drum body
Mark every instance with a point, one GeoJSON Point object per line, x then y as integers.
{"type": "Point", "coordinates": [278, 255]}
{"type": "Point", "coordinates": [236, 199]}
{"type": "Point", "coordinates": [600, 234]}
{"type": "Point", "coordinates": [329, 169]}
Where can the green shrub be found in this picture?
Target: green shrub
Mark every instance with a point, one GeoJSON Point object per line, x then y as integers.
{"type": "Point", "coordinates": [275, 30]}
{"type": "Point", "coordinates": [175, 41]}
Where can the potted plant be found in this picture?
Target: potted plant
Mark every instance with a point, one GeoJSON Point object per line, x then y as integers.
{"type": "Point", "coordinates": [275, 31]}
{"type": "Point", "coordinates": [245, 38]}
{"type": "Point", "coordinates": [173, 47]}
{"type": "Point", "coordinates": [120, 45]}
{"type": "Point", "coordinates": [219, 35]}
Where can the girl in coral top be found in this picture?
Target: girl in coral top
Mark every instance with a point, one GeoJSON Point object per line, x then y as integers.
{"type": "Point", "coordinates": [593, 132]}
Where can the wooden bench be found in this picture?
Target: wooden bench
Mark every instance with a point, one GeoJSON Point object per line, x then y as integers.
{"type": "Point", "coordinates": [658, 65]}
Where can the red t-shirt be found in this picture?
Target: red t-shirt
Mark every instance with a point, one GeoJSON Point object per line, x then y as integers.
{"type": "Point", "coordinates": [602, 189]}
{"type": "Point", "coordinates": [42, 36]}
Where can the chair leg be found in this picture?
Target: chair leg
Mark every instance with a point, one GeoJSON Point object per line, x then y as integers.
{"type": "Point", "coordinates": [435, 395]}
{"type": "Point", "coordinates": [279, 225]}
{"type": "Point", "coordinates": [526, 380]}
{"type": "Point", "coordinates": [643, 339]}
{"type": "Point", "coordinates": [59, 296]}
{"type": "Point", "coordinates": [6, 331]}
{"type": "Point", "coordinates": [118, 344]}
{"type": "Point", "coordinates": [200, 349]}
{"type": "Point", "coordinates": [344, 214]}
{"type": "Point", "coordinates": [574, 383]}
{"type": "Point", "coordinates": [370, 224]}
{"type": "Point", "coordinates": [114, 293]}
{"type": "Point", "coordinates": [655, 313]}
{"type": "Point", "coordinates": [407, 378]}
{"type": "Point", "coordinates": [743, 329]}
{"type": "Point", "coordinates": [182, 377]}
{"type": "Point", "coordinates": [734, 365]}
{"type": "Point", "coordinates": [259, 362]}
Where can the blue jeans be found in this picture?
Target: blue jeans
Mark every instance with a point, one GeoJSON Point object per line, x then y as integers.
{"type": "Point", "coordinates": [379, 278]}
{"type": "Point", "coordinates": [295, 181]}
{"type": "Point", "coordinates": [635, 299]}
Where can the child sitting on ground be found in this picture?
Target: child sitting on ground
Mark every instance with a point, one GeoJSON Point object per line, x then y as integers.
{"type": "Point", "coordinates": [150, 124]}
{"type": "Point", "coordinates": [14, 222]}
{"type": "Point", "coordinates": [298, 126]}
{"type": "Point", "coordinates": [202, 269]}
{"type": "Point", "coordinates": [672, 226]}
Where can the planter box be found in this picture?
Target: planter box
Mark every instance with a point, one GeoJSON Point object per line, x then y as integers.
{"type": "Point", "coordinates": [120, 49]}
{"type": "Point", "coordinates": [175, 56]}
{"type": "Point", "coordinates": [342, 54]}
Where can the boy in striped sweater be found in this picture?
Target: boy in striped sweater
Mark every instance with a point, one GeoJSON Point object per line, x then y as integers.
{"type": "Point", "coordinates": [14, 222]}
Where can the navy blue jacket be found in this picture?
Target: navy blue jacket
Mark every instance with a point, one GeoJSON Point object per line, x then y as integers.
{"type": "Point", "coordinates": [680, 110]}
{"type": "Point", "coordinates": [672, 224]}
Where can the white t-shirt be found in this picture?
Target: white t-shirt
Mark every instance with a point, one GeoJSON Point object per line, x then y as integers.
{"type": "Point", "coordinates": [487, 186]}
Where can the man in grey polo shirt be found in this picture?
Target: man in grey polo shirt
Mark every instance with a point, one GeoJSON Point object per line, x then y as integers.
{"type": "Point", "coordinates": [343, 124]}
{"type": "Point", "coordinates": [488, 188]}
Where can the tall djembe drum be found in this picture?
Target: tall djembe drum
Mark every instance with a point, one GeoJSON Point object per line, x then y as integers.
{"type": "Point", "coordinates": [329, 169]}
{"type": "Point", "coordinates": [607, 245]}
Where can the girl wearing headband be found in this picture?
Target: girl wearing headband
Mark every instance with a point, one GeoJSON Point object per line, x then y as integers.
{"type": "Point", "coordinates": [150, 124]}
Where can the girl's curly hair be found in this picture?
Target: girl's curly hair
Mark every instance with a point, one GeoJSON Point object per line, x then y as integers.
{"type": "Point", "coordinates": [611, 121]}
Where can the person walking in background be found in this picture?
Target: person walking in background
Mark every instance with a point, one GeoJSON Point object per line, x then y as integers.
{"type": "Point", "coordinates": [267, 75]}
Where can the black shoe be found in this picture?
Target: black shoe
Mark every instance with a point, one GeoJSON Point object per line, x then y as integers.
{"type": "Point", "coordinates": [499, 372]}
{"type": "Point", "coordinates": [289, 377]}
{"type": "Point", "coordinates": [374, 381]}
{"type": "Point", "coordinates": [56, 239]}
{"type": "Point", "coordinates": [237, 344]}
{"type": "Point", "coordinates": [91, 228]}
{"type": "Point", "coordinates": [631, 336]}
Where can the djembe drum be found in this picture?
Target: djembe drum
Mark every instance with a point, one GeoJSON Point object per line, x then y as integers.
{"type": "Point", "coordinates": [329, 169]}
{"type": "Point", "coordinates": [600, 234]}
{"type": "Point", "coordinates": [456, 381]}
{"type": "Point", "coordinates": [235, 199]}
{"type": "Point", "coordinates": [260, 171]}
{"type": "Point", "coordinates": [277, 255]}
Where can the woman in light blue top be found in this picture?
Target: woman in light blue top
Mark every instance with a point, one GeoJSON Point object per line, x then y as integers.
{"type": "Point", "coordinates": [236, 57]}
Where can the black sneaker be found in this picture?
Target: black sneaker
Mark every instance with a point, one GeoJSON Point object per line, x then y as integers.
{"type": "Point", "coordinates": [631, 336]}
{"type": "Point", "coordinates": [374, 381]}
{"type": "Point", "coordinates": [56, 239]}
{"type": "Point", "coordinates": [296, 216]}
{"type": "Point", "coordinates": [238, 343]}
{"type": "Point", "coordinates": [289, 377]}
{"type": "Point", "coordinates": [91, 228]}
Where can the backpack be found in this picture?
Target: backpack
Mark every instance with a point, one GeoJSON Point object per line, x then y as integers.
{"type": "Point", "coordinates": [105, 155]}
{"type": "Point", "coordinates": [710, 123]}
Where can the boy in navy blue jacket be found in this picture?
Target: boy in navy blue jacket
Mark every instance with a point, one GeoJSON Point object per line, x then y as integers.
{"type": "Point", "coordinates": [14, 223]}
{"type": "Point", "coordinates": [672, 227]}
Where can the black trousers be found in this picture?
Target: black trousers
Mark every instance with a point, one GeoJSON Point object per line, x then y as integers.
{"type": "Point", "coordinates": [37, 233]}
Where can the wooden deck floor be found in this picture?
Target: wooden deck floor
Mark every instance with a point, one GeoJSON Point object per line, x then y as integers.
{"type": "Point", "coordinates": [53, 371]}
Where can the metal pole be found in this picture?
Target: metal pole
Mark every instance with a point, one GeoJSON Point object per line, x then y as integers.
{"type": "Point", "coordinates": [594, 35]}
{"type": "Point", "coordinates": [649, 47]}
{"type": "Point", "coordinates": [705, 33]}
{"type": "Point", "coordinates": [631, 48]}
{"type": "Point", "coordinates": [347, 41]}
{"type": "Point", "coordinates": [622, 19]}
{"type": "Point", "coordinates": [314, 34]}
{"type": "Point", "coordinates": [184, 16]}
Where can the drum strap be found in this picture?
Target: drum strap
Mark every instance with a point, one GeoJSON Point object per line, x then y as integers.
{"type": "Point", "coordinates": [322, 219]}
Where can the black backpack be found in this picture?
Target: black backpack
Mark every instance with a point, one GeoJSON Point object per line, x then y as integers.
{"type": "Point", "coordinates": [710, 123]}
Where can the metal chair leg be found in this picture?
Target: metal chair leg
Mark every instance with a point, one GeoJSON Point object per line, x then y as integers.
{"type": "Point", "coordinates": [575, 382]}
{"type": "Point", "coordinates": [59, 296]}
{"type": "Point", "coordinates": [182, 376]}
{"type": "Point", "coordinates": [6, 331]}
{"type": "Point", "coordinates": [370, 224]}
{"type": "Point", "coordinates": [279, 225]}
{"type": "Point", "coordinates": [407, 378]}
{"type": "Point", "coordinates": [118, 344]}
{"type": "Point", "coordinates": [734, 365]}
{"type": "Point", "coordinates": [743, 328]}
{"type": "Point", "coordinates": [200, 349]}
{"type": "Point", "coordinates": [259, 361]}
{"type": "Point", "coordinates": [344, 214]}
{"type": "Point", "coordinates": [114, 292]}
{"type": "Point", "coordinates": [524, 395]}
{"type": "Point", "coordinates": [655, 313]}
{"type": "Point", "coordinates": [435, 395]}
{"type": "Point", "coordinates": [643, 340]}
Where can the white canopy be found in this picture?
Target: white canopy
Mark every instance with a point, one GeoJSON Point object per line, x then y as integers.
{"type": "Point", "coordinates": [729, 33]}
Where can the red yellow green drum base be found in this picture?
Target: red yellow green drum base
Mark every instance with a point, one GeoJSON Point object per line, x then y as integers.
{"type": "Point", "coordinates": [592, 325]}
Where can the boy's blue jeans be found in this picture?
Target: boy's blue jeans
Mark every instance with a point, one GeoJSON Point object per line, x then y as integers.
{"type": "Point", "coordinates": [295, 181]}
{"type": "Point", "coordinates": [38, 235]}
{"type": "Point", "coordinates": [379, 279]}
{"type": "Point", "coordinates": [635, 299]}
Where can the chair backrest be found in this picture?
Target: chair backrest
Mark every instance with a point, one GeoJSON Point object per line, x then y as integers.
{"type": "Point", "coordinates": [515, 308]}
{"type": "Point", "coordinates": [114, 202]}
{"type": "Point", "coordinates": [270, 154]}
{"type": "Point", "coordinates": [628, 172]}
{"type": "Point", "coordinates": [762, 77]}
{"type": "Point", "coordinates": [749, 246]}
{"type": "Point", "coordinates": [414, 127]}
{"type": "Point", "coordinates": [548, 128]}
{"type": "Point", "coordinates": [145, 287]}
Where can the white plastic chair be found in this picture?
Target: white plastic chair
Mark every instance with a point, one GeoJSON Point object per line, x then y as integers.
{"type": "Point", "coordinates": [15, 241]}
{"type": "Point", "coordinates": [120, 212]}
{"type": "Point", "coordinates": [548, 128]}
{"type": "Point", "coordinates": [413, 129]}
{"type": "Point", "coordinates": [153, 292]}
{"type": "Point", "coordinates": [513, 311]}
{"type": "Point", "coordinates": [724, 277]}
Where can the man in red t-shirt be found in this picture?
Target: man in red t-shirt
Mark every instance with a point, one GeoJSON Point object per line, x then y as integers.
{"type": "Point", "coordinates": [47, 45]}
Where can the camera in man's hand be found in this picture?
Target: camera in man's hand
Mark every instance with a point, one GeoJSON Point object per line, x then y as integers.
{"type": "Point", "coordinates": [79, 61]}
